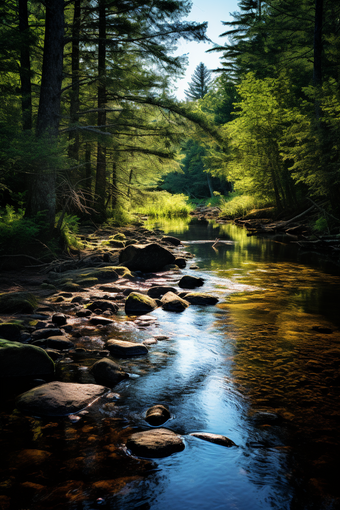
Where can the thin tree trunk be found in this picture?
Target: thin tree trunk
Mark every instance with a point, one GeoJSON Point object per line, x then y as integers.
{"type": "Point", "coordinates": [25, 67]}
{"type": "Point", "coordinates": [210, 186]}
{"type": "Point", "coordinates": [317, 68]}
{"type": "Point", "coordinates": [114, 186]}
{"type": "Point", "coordinates": [74, 98]}
{"type": "Point", "coordinates": [101, 151]}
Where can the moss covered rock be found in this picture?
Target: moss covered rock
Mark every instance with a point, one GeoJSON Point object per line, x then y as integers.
{"type": "Point", "coordinates": [137, 304]}
{"type": "Point", "coordinates": [17, 302]}
{"type": "Point", "coordinates": [19, 360]}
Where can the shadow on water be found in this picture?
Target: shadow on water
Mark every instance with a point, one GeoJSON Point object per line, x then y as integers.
{"type": "Point", "coordinates": [261, 367]}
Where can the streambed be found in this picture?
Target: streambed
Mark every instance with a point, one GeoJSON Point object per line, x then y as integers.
{"type": "Point", "coordinates": [261, 367]}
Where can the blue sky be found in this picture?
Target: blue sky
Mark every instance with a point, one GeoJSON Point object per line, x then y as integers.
{"type": "Point", "coordinates": [213, 11]}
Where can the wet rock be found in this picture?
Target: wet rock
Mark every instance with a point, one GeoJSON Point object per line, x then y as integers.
{"type": "Point", "coordinates": [171, 240]}
{"type": "Point", "coordinates": [46, 333]}
{"type": "Point", "coordinates": [157, 415]}
{"type": "Point", "coordinates": [59, 319]}
{"type": "Point", "coordinates": [18, 360]}
{"type": "Point", "coordinates": [173, 303]}
{"type": "Point", "coordinates": [77, 299]}
{"type": "Point", "coordinates": [96, 321]}
{"type": "Point", "coordinates": [30, 459]}
{"type": "Point", "coordinates": [107, 372]}
{"type": "Point", "coordinates": [137, 304]}
{"type": "Point", "coordinates": [160, 290]}
{"type": "Point", "coordinates": [214, 438]}
{"type": "Point", "coordinates": [190, 282]}
{"type": "Point", "coordinates": [146, 258]}
{"type": "Point", "coordinates": [103, 305]}
{"type": "Point", "coordinates": [199, 298]}
{"type": "Point", "coordinates": [155, 443]}
{"type": "Point", "coordinates": [84, 313]}
{"type": "Point", "coordinates": [54, 354]}
{"type": "Point", "coordinates": [59, 398]}
{"type": "Point", "coordinates": [124, 349]}
{"type": "Point", "coordinates": [180, 262]}
{"type": "Point", "coordinates": [54, 342]}
{"type": "Point", "coordinates": [10, 331]}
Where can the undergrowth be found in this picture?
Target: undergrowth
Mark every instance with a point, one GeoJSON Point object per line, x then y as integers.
{"type": "Point", "coordinates": [239, 205]}
{"type": "Point", "coordinates": [161, 204]}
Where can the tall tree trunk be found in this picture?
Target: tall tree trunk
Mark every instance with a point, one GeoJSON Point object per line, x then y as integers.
{"type": "Point", "coordinates": [43, 186]}
{"type": "Point", "coordinates": [317, 67]}
{"type": "Point", "coordinates": [114, 186]}
{"type": "Point", "coordinates": [101, 150]}
{"type": "Point", "coordinates": [74, 98]}
{"type": "Point", "coordinates": [210, 186]}
{"type": "Point", "coordinates": [25, 67]}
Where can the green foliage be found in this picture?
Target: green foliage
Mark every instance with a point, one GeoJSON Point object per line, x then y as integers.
{"type": "Point", "coordinates": [321, 225]}
{"type": "Point", "coordinates": [240, 205]}
{"type": "Point", "coordinates": [160, 204]}
{"type": "Point", "coordinates": [18, 233]}
{"type": "Point", "coordinates": [68, 231]}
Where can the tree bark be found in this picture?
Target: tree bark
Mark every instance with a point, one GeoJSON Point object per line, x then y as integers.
{"type": "Point", "coordinates": [74, 97]}
{"type": "Point", "coordinates": [101, 150]}
{"type": "Point", "coordinates": [42, 198]}
{"type": "Point", "coordinates": [25, 67]}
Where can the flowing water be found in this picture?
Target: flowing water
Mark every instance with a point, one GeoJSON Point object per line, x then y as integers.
{"type": "Point", "coordinates": [261, 367]}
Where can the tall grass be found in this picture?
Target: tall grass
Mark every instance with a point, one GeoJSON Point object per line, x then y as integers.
{"type": "Point", "coordinates": [161, 204]}
{"type": "Point", "coordinates": [240, 205]}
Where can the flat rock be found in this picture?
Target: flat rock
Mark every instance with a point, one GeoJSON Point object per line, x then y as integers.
{"type": "Point", "coordinates": [107, 372]}
{"type": "Point", "coordinates": [124, 349]}
{"type": "Point", "coordinates": [173, 303]}
{"type": "Point", "coordinates": [54, 342]}
{"type": "Point", "coordinates": [20, 360]}
{"type": "Point", "coordinates": [199, 298]}
{"type": "Point", "coordinates": [190, 282]}
{"type": "Point", "coordinates": [155, 443]}
{"type": "Point", "coordinates": [138, 304]}
{"type": "Point", "coordinates": [96, 321]}
{"type": "Point", "coordinates": [147, 258]}
{"type": "Point", "coordinates": [214, 438]}
{"type": "Point", "coordinates": [58, 398]}
{"type": "Point", "coordinates": [171, 240]}
{"type": "Point", "coordinates": [46, 333]}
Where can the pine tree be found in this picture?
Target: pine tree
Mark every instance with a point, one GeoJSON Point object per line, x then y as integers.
{"type": "Point", "coordinates": [200, 82]}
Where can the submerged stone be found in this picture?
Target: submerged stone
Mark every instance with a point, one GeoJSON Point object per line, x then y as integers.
{"type": "Point", "coordinates": [214, 438]}
{"type": "Point", "coordinates": [157, 415]}
{"type": "Point", "coordinates": [107, 372]}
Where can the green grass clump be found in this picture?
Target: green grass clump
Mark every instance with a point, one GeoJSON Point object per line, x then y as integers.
{"type": "Point", "coordinates": [240, 205]}
{"type": "Point", "coordinates": [161, 204]}
{"type": "Point", "coordinates": [17, 233]}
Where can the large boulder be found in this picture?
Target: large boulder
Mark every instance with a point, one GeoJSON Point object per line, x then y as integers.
{"type": "Point", "coordinates": [173, 303]}
{"type": "Point", "coordinates": [171, 240]}
{"type": "Point", "coordinates": [58, 398]}
{"type": "Point", "coordinates": [20, 360]}
{"type": "Point", "coordinates": [107, 372]}
{"type": "Point", "coordinates": [147, 258]}
{"type": "Point", "coordinates": [10, 331]}
{"type": "Point", "coordinates": [124, 349]}
{"type": "Point", "coordinates": [138, 304]}
{"type": "Point", "coordinates": [155, 443]}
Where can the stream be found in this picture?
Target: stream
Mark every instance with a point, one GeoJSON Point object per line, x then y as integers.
{"type": "Point", "coordinates": [261, 367]}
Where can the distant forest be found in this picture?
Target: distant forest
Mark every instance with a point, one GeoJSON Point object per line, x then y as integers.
{"type": "Point", "coordinates": [90, 125]}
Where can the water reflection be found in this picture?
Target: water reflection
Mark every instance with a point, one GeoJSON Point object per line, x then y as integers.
{"type": "Point", "coordinates": [262, 367]}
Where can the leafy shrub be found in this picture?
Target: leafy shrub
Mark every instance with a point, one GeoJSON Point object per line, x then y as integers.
{"type": "Point", "coordinates": [240, 205]}
{"type": "Point", "coordinates": [17, 233]}
{"type": "Point", "coordinates": [160, 204]}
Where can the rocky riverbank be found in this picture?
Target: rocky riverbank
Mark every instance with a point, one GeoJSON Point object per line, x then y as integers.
{"type": "Point", "coordinates": [63, 351]}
